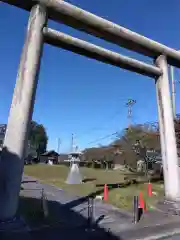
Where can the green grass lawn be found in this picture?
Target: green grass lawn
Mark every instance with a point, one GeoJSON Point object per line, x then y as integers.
{"type": "Point", "coordinates": [121, 197]}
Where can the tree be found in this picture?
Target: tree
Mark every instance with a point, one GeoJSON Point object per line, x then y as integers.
{"type": "Point", "coordinates": [147, 137]}
{"type": "Point", "coordinates": [38, 137]}
{"type": "Point", "coordinates": [144, 136]}
{"type": "Point", "coordinates": [100, 156]}
{"type": "Point", "coordinates": [123, 150]}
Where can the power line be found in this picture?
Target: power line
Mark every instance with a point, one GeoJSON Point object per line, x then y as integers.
{"type": "Point", "coordinates": [105, 122]}
{"type": "Point", "coordinates": [153, 124]}
{"type": "Point", "coordinates": [102, 138]}
{"type": "Point", "coordinates": [107, 119]}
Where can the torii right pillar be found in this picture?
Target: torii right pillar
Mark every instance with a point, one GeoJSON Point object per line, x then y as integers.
{"type": "Point", "coordinates": [167, 133]}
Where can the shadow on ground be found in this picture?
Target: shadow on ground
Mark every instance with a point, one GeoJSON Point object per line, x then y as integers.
{"type": "Point", "coordinates": [114, 185]}
{"type": "Point", "coordinates": [34, 181]}
{"type": "Point", "coordinates": [89, 180]}
{"type": "Point", "coordinates": [62, 223]}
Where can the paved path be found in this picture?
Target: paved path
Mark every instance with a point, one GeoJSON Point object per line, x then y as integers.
{"type": "Point", "coordinates": [112, 223]}
{"type": "Point", "coordinates": [110, 216]}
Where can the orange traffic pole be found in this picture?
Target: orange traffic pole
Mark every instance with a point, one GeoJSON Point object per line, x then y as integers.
{"type": "Point", "coordinates": [141, 201]}
{"type": "Point", "coordinates": [105, 192]}
{"type": "Point", "coordinates": [149, 189]}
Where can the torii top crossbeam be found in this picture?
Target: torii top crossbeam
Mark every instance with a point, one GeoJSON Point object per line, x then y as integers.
{"type": "Point", "coordinates": [78, 18]}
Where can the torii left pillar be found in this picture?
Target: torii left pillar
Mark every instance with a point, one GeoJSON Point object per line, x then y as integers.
{"type": "Point", "coordinates": [16, 138]}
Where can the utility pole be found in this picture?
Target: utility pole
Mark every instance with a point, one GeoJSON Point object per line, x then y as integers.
{"type": "Point", "coordinates": [173, 92]}
{"type": "Point", "coordinates": [129, 105]}
{"type": "Point", "coordinates": [58, 147]}
{"type": "Point", "coordinates": [72, 143]}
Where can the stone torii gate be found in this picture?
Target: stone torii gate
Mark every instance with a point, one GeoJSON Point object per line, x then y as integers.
{"type": "Point", "coordinates": [38, 33]}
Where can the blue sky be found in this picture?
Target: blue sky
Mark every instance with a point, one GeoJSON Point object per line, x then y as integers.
{"type": "Point", "coordinates": [79, 95]}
